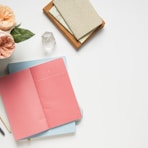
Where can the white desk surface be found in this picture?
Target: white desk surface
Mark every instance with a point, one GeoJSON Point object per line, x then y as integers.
{"type": "Point", "coordinates": [109, 74]}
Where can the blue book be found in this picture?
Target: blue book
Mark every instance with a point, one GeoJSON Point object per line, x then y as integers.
{"type": "Point", "coordinates": [63, 129]}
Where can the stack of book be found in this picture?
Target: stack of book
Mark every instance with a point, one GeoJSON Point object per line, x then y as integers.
{"type": "Point", "coordinates": [39, 98]}
{"type": "Point", "coordinates": [76, 19]}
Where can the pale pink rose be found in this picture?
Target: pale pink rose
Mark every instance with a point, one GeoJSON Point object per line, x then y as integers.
{"type": "Point", "coordinates": [7, 45]}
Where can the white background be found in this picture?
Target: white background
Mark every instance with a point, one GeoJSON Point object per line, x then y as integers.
{"type": "Point", "coordinates": [109, 74]}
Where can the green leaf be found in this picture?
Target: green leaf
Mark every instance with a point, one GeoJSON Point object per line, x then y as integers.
{"type": "Point", "coordinates": [20, 34]}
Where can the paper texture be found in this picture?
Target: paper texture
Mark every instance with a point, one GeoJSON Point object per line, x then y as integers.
{"type": "Point", "coordinates": [79, 15]}
{"type": "Point", "coordinates": [39, 98]}
{"type": "Point", "coordinates": [63, 129]}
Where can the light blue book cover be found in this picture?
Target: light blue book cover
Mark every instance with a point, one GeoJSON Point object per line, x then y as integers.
{"type": "Point", "coordinates": [63, 129]}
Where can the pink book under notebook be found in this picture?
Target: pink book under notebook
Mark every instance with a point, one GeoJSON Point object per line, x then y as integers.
{"type": "Point", "coordinates": [39, 98]}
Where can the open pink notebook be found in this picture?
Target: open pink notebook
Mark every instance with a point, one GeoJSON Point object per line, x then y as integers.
{"type": "Point", "coordinates": [39, 98]}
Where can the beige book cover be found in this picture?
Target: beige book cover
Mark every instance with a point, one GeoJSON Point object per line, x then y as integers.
{"type": "Point", "coordinates": [80, 16]}
{"type": "Point", "coordinates": [54, 12]}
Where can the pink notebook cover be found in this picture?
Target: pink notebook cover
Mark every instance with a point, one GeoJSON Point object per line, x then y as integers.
{"type": "Point", "coordinates": [39, 98]}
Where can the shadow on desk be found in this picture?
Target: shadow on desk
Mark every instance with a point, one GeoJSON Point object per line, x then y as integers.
{"type": "Point", "coordinates": [3, 66]}
{"type": "Point", "coordinates": [31, 141]}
